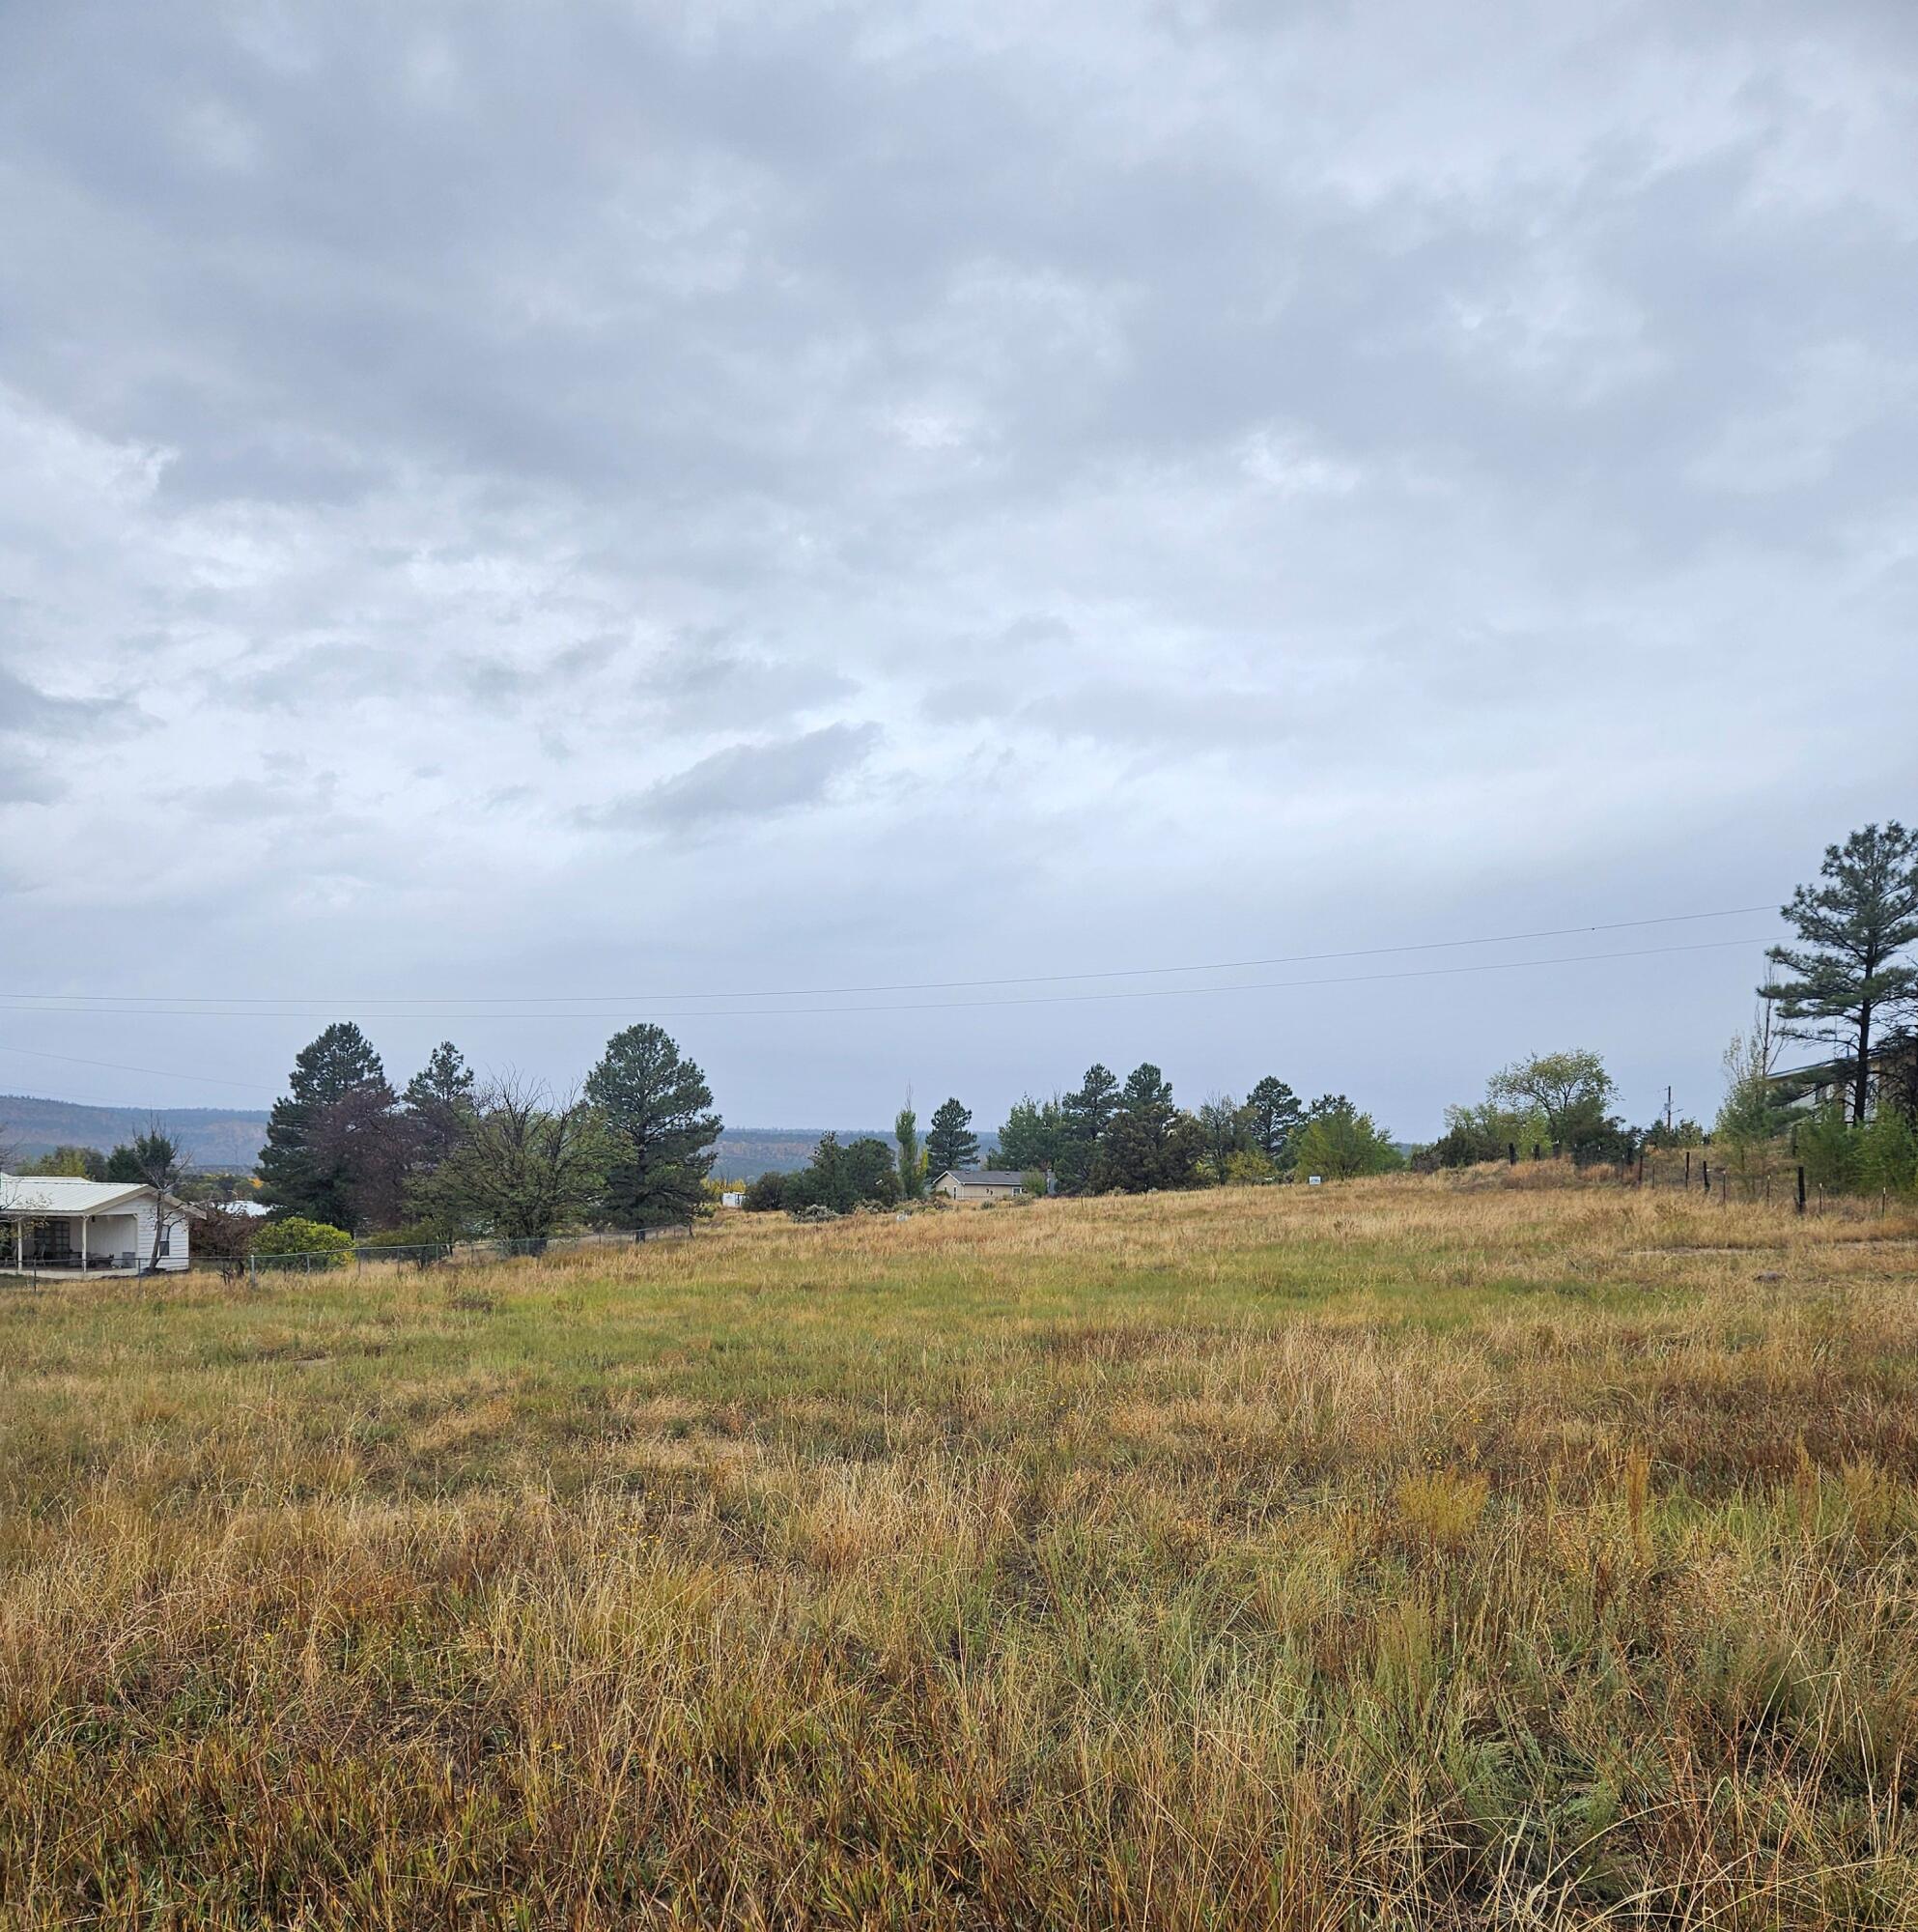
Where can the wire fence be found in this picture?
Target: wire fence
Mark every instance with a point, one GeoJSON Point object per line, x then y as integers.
{"type": "Point", "coordinates": [363, 1254]}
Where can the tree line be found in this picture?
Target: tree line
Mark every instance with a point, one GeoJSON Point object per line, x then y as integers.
{"type": "Point", "coordinates": [1106, 1136]}
{"type": "Point", "coordinates": [453, 1156]}
{"type": "Point", "coordinates": [1846, 984]}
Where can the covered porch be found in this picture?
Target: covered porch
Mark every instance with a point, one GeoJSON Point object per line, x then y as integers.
{"type": "Point", "coordinates": [77, 1244]}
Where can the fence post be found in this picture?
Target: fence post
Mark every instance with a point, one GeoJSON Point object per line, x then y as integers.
{"type": "Point", "coordinates": [1688, 1169]}
{"type": "Point", "coordinates": [1801, 1190]}
{"type": "Point", "coordinates": [1511, 1152]}
{"type": "Point", "coordinates": [1707, 1166]}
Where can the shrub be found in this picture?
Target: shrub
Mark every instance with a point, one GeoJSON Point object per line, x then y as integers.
{"type": "Point", "coordinates": [297, 1236]}
{"type": "Point", "coordinates": [766, 1195]}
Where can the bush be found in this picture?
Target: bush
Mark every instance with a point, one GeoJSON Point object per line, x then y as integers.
{"type": "Point", "coordinates": [766, 1195]}
{"type": "Point", "coordinates": [297, 1236]}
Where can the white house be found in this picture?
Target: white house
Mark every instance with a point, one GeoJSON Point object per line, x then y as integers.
{"type": "Point", "coordinates": [979, 1184]}
{"type": "Point", "coordinates": [48, 1222]}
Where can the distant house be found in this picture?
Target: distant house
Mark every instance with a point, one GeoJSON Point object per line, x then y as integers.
{"type": "Point", "coordinates": [979, 1184]}
{"type": "Point", "coordinates": [50, 1223]}
{"type": "Point", "coordinates": [1804, 1090]}
{"type": "Point", "coordinates": [733, 1197]}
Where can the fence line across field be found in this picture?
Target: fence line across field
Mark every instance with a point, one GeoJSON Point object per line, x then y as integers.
{"type": "Point", "coordinates": [456, 1253]}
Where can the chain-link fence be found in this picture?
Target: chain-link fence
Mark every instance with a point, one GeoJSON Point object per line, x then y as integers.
{"type": "Point", "coordinates": [363, 1254]}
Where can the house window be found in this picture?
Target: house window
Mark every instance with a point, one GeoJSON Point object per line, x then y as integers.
{"type": "Point", "coordinates": [166, 1240]}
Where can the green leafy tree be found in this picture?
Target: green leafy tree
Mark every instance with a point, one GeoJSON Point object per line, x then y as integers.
{"type": "Point", "coordinates": [1828, 1145]}
{"type": "Point", "coordinates": [1034, 1135]}
{"type": "Point", "coordinates": [1888, 1153]}
{"type": "Point", "coordinates": [333, 1152]}
{"type": "Point", "coordinates": [1275, 1113]}
{"type": "Point", "coordinates": [1249, 1168]}
{"type": "Point", "coordinates": [1750, 1122]}
{"type": "Point", "coordinates": [1486, 1132]}
{"type": "Point", "coordinates": [660, 1127]}
{"type": "Point", "coordinates": [1339, 1143]}
{"type": "Point", "coordinates": [1228, 1131]}
{"type": "Point", "coordinates": [1573, 1091]}
{"type": "Point", "coordinates": [526, 1166]}
{"type": "Point", "coordinates": [1849, 970]}
{"type": "Point", "coordinates": [912, 1167]}
{"type": "Point", "coordinates": [951, 1144]}
{"type": "Point", "coordinates": [77, 1163]}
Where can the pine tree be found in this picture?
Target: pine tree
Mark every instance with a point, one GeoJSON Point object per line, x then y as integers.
{"type": "Point", "coordinates": [951, 1144]}
{"type": "Point", "coordinates": [1085, 1116]}
{"type": "Point", "coordinates": [657, 1110]}
{"type": "Point", "coordinates": [1848, 972]}
{"type": "Point", "coordinates": [1276, 1113]}
{"type": "Point", "coordinates": [333, 1152]}
{"type": "Point", "coordinates": [440, 1105]}
{"type": "Point", "coordinates": [1034, 1136]}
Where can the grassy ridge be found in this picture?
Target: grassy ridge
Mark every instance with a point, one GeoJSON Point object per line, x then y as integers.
{"type": "Point", "coordinates": [1406, 1554]}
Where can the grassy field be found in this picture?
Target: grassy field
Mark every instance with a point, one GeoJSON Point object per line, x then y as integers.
{"type": "Point", "coordinates": [1407, 1553]}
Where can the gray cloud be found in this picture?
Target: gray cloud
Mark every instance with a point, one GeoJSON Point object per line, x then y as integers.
{"type": "Point", "coordinates": [751, 781]}
{"type": "Point", "coordinates": [952, 491]}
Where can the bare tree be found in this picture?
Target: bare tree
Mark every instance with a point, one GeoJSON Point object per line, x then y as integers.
{"type": "Point", "coordinates": [161, 1162]}
{"type": "Point", "coordinates": [527, 1162]}
{"type": "Point", "coordinates": [224, 1238]}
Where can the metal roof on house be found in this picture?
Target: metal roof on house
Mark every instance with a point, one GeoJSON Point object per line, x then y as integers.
{"type": "Point", "coordinates": [61, 1194]}
{"type": "Point", "coordinates": [988, 1177]}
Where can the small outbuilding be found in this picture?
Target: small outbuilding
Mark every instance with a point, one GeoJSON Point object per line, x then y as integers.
{"type": "Point", "coordinates": [971, 1184]}
{"type": "Point", "coordinates": [50, 1224]}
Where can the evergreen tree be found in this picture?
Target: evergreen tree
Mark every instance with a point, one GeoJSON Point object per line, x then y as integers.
{"type": "Point", "coordinates": [656, 1111]}
{"type": "Point", "coordinates": [1276, 1113]}
{"type": "Point", "coordinates": [1848, 970]}
{"type": "Point", "coordinates": [332, 1152]}
{"type": "Point", "coordinates": [1034, 1138]}
{"type": "Point", "coordinates": [842, 1177]}
{"type": "Point", "coordinates": [440, 1105]}
{"type": "Point", "coordinates": [951, 1144]}
{"type": "Point", "coordinates": [1148, 1142]}
{"type": "Point", "coordinates": [1085, 1114]}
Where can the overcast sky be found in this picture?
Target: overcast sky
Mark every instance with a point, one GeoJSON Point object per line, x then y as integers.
{"type": "Point", "coordinates": [510, 505]}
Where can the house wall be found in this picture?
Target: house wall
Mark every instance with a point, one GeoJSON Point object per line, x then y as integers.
{"type": "Point", "coordinates": [176, 1257]}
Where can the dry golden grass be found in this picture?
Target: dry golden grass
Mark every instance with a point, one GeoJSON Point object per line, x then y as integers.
{"type": "Point", "coordinates": [1409, 1553]}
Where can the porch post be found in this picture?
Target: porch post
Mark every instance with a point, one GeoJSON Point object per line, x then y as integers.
{"type": "Point", "coordinates": [85, 1221]}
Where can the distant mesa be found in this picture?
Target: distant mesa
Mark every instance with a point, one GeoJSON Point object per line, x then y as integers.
{"type": "Point", "coordinates": [230, 1137]}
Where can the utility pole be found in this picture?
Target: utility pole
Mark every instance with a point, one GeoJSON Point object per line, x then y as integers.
{"type": "Point", "coordinates": [1667, 1109]}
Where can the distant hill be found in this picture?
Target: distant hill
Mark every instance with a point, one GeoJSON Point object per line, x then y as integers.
{"type": "Point", "coordinates": [213, 1136]}
{"type": "Point", "coordinates": [228, 1137]}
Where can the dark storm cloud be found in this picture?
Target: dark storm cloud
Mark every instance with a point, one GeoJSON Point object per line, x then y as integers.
{"type": "Point", "coordinates": [952, 491]}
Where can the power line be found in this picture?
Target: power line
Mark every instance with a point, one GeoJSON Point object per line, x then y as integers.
{"type": "Point", "coordinates": [120, 1067]}
{"type": "Point", "coordinates": [629, 1013]}
{"type": "Point", "coordinates": [237, 1005]}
